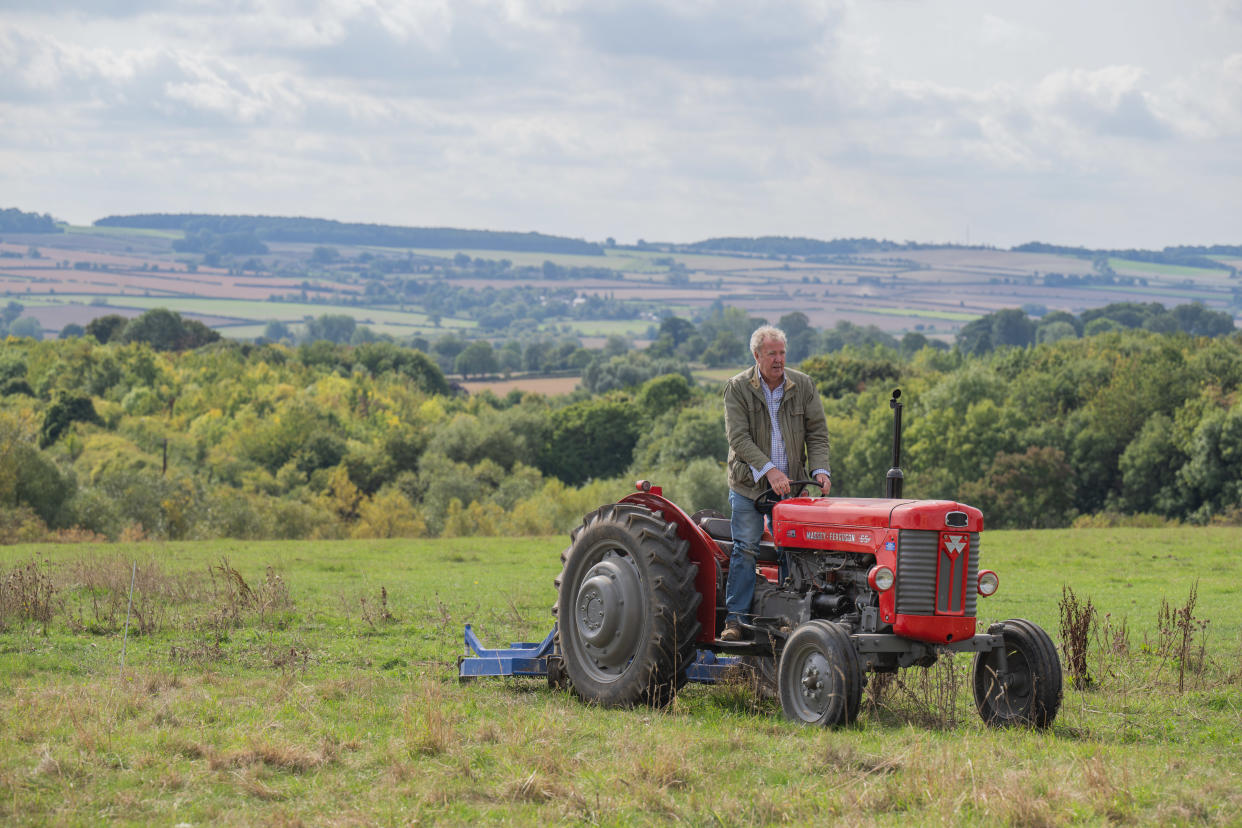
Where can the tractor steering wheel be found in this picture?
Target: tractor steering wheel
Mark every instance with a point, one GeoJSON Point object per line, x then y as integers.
{"type": "Point", "coordinates": [768, 498]}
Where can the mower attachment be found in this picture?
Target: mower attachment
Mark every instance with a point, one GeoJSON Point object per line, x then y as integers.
{"type": "Point", "coordinates": [531, 660]}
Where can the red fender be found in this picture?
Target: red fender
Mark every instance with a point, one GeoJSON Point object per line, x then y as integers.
{"type": "Point", "coordinates": [703, 551]}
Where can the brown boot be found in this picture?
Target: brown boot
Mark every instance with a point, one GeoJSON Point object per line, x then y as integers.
{"type": "Point", "coordinates": [732, 631]}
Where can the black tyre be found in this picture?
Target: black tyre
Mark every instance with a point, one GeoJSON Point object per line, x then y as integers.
{"type": "Point", "coordinates": [627, 608]}
{"type": "Point", "coordinates": [819, 678]}
{"type": "Point", "coordinates": [1028, 692]}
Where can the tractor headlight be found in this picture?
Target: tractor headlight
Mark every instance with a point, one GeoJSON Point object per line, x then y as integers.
{"type": "Point", "coordinates": [881, 578]}
{"type": "Point", "coordinates": [989, 582]}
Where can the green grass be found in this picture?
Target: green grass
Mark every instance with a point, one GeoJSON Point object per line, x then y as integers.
{"type": "Point", "coordinates": [260, 311]}
{"type": "Point", "coordinates": [629, 261]}
{"type": "Point", "coordinates": [605, 327]}
{"type": "Point", "coordinates": [305, 703]}
{"type": "Point", "coordinates": [1186, 294]}
{"type": "Point", "coordinates": [611, 260]}
{"type": "Point", "coordinates": [953, 316]}
{"type": "Point", "coordinates": [1165, 269]}
{"type": "Point", "coordinates": [121, 232]}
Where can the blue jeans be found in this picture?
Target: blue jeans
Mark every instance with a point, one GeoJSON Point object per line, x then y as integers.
{"type": "Point", "coordinates": [746, 525]}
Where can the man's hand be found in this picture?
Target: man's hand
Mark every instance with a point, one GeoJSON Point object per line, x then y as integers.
{"type": "Point", "coordinates": [825, 483]}
{"type": "Point", "coordinates": [778, 481]}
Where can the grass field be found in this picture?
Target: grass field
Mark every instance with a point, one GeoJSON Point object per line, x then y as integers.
{"type": "Point", "coordinates": [314, 683]}
{"type": "Point", "coordinates": [122, 232]}
{"type": "Point", "coordinates": [954, 316]}
{"type": "Point", "coordinates": [398, 321]}
{"type": "Point", "coordinates": [1197, 273]}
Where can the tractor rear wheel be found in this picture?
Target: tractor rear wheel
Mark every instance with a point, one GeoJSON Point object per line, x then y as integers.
{"type": "Point", "coordinates": [627, 608]}
{"type": "Point", "coordinates": [819, 678]}
{"type": "Point", "coordinates": [1028, 691]}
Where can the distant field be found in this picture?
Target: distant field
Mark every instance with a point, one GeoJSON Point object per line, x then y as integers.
{"type": "Point", "coordinates": [610, 260]}
{"type": "Point", "coordinates": [267, 311]}
{"type": "Point", "coordinates": [1129, 265]}
{"type": "Point", "coordinates": [630, 261]}
{"type": "Point", "coordinates": [121, 232]}
{"type": "Point", "coordinates": [923, 314]}
{"type": "Point", "coordinates": [607, 327]}
{"type": "Point", "coordinates": [934, 291]}
{"type": "Point", "coordinates": [548, 386]}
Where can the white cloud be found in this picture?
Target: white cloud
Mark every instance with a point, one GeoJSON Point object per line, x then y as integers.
{"type": "Point", "coordinates": [623, 117]}
{"type": "Point", "coordinates": [1109, 101]}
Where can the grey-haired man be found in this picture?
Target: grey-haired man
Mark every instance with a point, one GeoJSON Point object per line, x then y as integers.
{"type": "Point", "coordinates": [776, 427]}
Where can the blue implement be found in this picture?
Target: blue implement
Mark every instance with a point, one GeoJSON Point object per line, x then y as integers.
{"type": "Point", "coordinates": [531, 659]}
{"type": "Point", "coordinates": [518, 659]}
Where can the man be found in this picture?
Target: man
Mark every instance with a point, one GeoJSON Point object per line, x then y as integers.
{"type": "Point", "coordinates": [775, 423]}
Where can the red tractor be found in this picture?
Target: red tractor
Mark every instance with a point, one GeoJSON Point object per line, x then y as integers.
{"type": "Point", "coordinates": [869, 585]}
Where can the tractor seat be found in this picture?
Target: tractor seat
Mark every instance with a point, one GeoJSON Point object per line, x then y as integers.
{"type": "Point", "coordinates": [718, 529]}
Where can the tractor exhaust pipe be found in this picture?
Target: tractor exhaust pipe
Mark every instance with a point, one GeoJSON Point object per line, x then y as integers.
{"type": "Point", "coordinates": [892, 483]}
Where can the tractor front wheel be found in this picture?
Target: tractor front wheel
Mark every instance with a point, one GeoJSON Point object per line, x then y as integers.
{"type": "Point", "coordinates": [819, 679]}
{"type": "Point", "coordinates": [627, 608]}
{"type": "Point", "coordinates": [1027, 691]}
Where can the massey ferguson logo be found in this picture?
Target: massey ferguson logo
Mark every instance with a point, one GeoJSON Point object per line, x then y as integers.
{"type": "Point", "coordinates": [953, 545]}
{"type": "Point", "coordinates": [839, 537]}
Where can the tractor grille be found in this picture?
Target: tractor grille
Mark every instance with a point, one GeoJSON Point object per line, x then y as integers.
{"type": "Point", "coordinates": [919, 559]}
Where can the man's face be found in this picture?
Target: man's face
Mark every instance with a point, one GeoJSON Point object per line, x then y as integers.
{"type": "Point", "coordinates": [771, 360]}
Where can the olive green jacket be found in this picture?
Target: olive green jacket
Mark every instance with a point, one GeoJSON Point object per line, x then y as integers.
{"type": "Point", "coordinates": [749, 429]}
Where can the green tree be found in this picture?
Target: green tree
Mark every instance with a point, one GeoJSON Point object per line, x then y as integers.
{"type": "Point", "coordinates": [847, 372]}
{"type": "Point", "coordinates": [1049, 332]}
{"type": "Point", "coordinates": [381, 358]}
{"type": "Point", "coordinates": [42, 486]}
{"type": "Point", "coordinates": [165, 330]}
{"type": "Point", "coordinates": [1212, 474]}
{"type": "Point", "coordinates": [1012, 327]}
{"type": "Point", "coordinates": [106, 328]}
{"type": "Point", "coordinates": [333, 327]}
{"type": "Point", "coordinates": [1149, 470]}
{"type": "Point", "coordinates": [1031, 490]}
{"type": "Point", "coordinates": [477, 358]}
{"type": "Point", "coordinates": [277, 331]}
{"type": "Point", "coordinates": [1101, 325]}
{"type": "Point", "coordinates": [661, 394]}
{"type": "Point", "coordinates": [26, 326]}
{"type": "Point", "coordinates": [590, 439]}
{"type": "Point", "coordinates": [726, 349]}
{"type": "Point", "coordinates": [1197, 320]}
{"type": "Point", "coordinates": [975, 337]}
{"type": "Point", "coordinates": [62, 413]}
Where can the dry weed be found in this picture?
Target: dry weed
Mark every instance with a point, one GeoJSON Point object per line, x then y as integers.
{"type": "Point", "coordinates": [234, 600]}
{"type": "Point", "coordinates": [1078, 619]}
{"type": "Point", "coordinates": [1177, 631]}
{"type": "Point", "coordinates": [28, 593]}
{"type": "Point", "coordinates": [104, 586]}
{"type": "Point", "coordinates": [374, 613]}
{"type": "Point", "coordinates": [930, 700]}
{"type": "Point", "coordinates": [283, 757]}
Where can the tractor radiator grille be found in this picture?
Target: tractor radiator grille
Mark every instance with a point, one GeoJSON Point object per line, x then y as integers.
{"type": "Point", "coordinates": [919, 559]}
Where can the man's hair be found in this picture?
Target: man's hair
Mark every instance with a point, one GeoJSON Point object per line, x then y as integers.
{"type": "Point", "coordinates": [765, 332]}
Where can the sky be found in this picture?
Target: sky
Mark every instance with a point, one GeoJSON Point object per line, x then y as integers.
{"type": "Point", "coordinates": [1107, 124]}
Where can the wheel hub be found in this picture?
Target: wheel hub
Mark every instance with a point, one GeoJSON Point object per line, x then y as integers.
{"type": "Point", "coordinates": [608, 611]}
{"type": "Point", "coordinates": [813, 670]}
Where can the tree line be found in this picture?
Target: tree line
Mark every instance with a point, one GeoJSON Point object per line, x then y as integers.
{"type": "Point", "coordinates": [121, 439]}
{"type": "Point", "coordinates": [327, 231]}
{"type": "Point", "coordinates": [13, 220]}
